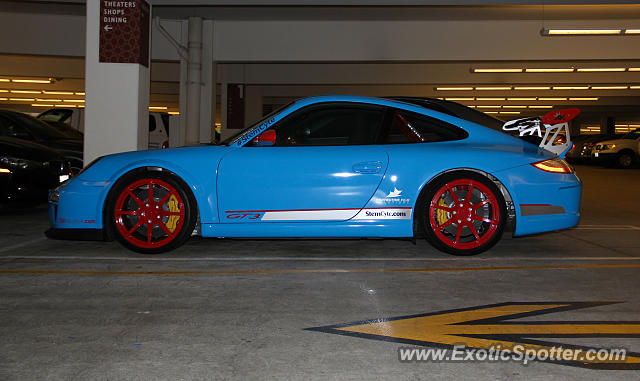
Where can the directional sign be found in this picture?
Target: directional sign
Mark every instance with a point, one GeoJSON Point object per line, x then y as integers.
{"type": "Point", "coordinates": [124, 31]}
{"type": "Point", "coordinates": [486, 327]}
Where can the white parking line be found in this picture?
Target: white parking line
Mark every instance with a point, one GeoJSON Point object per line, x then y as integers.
{"type": "Point", "coordinates": [342, 259]}
{"type": "Point", "coordinates": [22, 244]}
{"type": "Point", "coordinates": [606, 227]}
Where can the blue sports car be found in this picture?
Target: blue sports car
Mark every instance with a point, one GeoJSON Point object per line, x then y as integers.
{"type": "Point", "coordinates": [330, 166]}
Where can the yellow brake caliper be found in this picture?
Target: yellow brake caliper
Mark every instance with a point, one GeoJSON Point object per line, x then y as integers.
{"type": "Point", "coordinates": [441, 215]}
{"type": "Point", "coordinates": [172, 222]}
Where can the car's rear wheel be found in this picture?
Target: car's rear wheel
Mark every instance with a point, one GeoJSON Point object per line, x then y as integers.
{"type": "Point", "coordinates": [151, 212]}
{"type": "Point", "coordinates": [462, 213]}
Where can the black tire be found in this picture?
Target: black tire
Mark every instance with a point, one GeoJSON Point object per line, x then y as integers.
{"type": "Point", "coordinates": [484, 235]}
{"type": "Point", "coordinates": [173, 206]}
{"type": "Point", "coordinates": [624, 159]}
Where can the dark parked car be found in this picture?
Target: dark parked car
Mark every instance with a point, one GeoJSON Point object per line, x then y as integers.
{"type": "Point", "coordinates": [28, 171]}
{"type": "Point", "coordinates": [18, 125]}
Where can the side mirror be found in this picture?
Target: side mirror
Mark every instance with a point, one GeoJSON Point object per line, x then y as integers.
{"type": "Point", "coordinates": [267, 138]}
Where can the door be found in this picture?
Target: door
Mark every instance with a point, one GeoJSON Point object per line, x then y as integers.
{"type": "Point", "coordinates": [321, 167]}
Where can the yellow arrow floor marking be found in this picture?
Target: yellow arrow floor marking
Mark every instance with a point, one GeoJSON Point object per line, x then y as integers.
{"type": "Point", "coordinates": [487, 326]}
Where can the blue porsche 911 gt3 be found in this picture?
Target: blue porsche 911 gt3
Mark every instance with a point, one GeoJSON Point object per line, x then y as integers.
{"type": "Point", "coordinates": [330, 166]}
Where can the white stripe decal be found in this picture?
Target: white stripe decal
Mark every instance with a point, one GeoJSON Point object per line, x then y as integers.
{"type": "Point", "coordinates": [309, 215]}
{"type": "Point", "coordinates": [338, 214]}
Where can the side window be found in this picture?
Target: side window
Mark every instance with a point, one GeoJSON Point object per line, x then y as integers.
{"type": "Point", "coordinates": [11, 129]}
{"type": "Point", "coordinates": [330, 125]}
{"type": "Point", "coordinates": [409, 127]}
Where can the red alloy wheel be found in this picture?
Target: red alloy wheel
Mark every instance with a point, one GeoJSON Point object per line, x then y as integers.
{"type": "Point", "coordinates": [471, 214]}
{"type": "Point", "coordinates": [146, 211]}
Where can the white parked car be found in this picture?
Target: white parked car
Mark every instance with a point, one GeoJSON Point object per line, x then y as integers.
{"type": "Point", "coordinates": [158, 123]}
{"type": "Point", "coordinates": [621, 152]}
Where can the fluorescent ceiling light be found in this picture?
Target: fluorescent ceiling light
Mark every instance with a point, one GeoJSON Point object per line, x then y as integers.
{"type": "Point", "coordinates": [4, 80]}
{"type": "Point", "coordinates": [73, 100]}
{"type": "Point", "coordinates": [512, 106]}
{"type": "Point", "coordinates": [485, 106]}
{"type": "Point", "coordinates": [459, 99]}
{"type": "Point", "coordinates": [490, 112]}
{"type": "Point", "coordinates": [489, 99]}
{"type": "Point", "coordinates": [80, 93]}
{"type": "Point", "coordinates": [601, 69]}
{"type": "Point", "coordinates": [532, 88]}
{"type": "Point", "coordinates": [571, 87]}
{"type": "Point", "coordinates": [493, 88]}
{"type": "Point", "coordinates": [41, 105]}
{"type": "Point", "coordinates": [609, 87]}
{"type": "Point", "coordinates": [174, 113]}
{"type": "Point", "coordinates": [552, 99]}
{"type": "Point", "coordinates": [584, 99]}
{"type": "Point", "coordinates": [522, 99]}
{"type": "Point", "coordinates": [58, 92]}
{"type": "Point", "coordinates": [541, 106]}
{"type": "Point", "coordinates": [497, 70]}
{"type": "Point", "coordinates": [67, 106]}
{"type": "Point", "coordinates": [632, 31]}
{"type": "Point", "coordinates": [49, 80]}
{"type": "Point", "coordinates": [634, 69]}
{"type": "Point", "coordinates": [48, 100]}
{"type": "Point", "coordinates": [579, 32]}
{"type": "Point", "coordinates": [25, 91]}
{"type": "Point", "coordinates": [22, 99]}
{"type": "Point", "coordinates": [549, 70]}
{"type": "Point", "coordinates": [510, 112]}
{"type": "Point", "coordinates": [4, 99]}
{"type": "Point", "coordinates": [453, 88]}
{"type": "Point", "coordinates": [157, 107]}
{"type": "Point", "coordinates": [634, 87]}
{"type": "Point", "coordinates": [4, 91]}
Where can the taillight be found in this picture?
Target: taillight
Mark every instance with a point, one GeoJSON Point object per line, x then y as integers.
{"type": "Point", "coordinates": [165, 144]}
{"type": "Point", "coordinates": [554, 165]}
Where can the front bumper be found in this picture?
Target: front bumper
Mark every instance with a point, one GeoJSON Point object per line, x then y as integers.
{"type": "Point", "coordinates": [603, 157]}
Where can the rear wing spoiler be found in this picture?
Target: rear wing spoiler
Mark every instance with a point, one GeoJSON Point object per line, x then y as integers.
{"type": "Point", "coordinates": [554, 123]}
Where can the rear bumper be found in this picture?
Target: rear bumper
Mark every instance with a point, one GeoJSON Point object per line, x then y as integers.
{"type": "Point", "coordinates": [543, 201]}
{"type": "Point", "coordinates": [76, 234]}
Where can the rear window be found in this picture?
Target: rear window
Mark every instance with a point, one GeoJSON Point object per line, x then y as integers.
{"type": "Point", "coordinates": [409, 127]}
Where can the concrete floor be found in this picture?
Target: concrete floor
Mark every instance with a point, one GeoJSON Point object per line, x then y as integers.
{"type": "Point", "coordinates": [239, 309]}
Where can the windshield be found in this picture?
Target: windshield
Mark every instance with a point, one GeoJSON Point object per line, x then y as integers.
{"type": "Point", "coordinates": [38, 128]}
{"type": "Point", "coordinates": [631, 135]}
{"type": "Point", "coordinates": [232, 138]}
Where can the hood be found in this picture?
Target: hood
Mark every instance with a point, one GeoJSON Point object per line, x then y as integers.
{"type": "Point", "coordinates": [626, 142]}
{"type": "Point", "coordinates": [64, 144]}
{"type": "Point", "coordinates": [24, 149]}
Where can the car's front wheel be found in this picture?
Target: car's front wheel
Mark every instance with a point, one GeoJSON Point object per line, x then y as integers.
{"type": "Point", "coordinates": [462, 213]}
{"type": "Point", "coordinates": [624, 159]}
{"type": "Point", "coordinates": [151, 212]}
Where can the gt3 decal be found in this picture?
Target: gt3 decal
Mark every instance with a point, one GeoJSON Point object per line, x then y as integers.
{"type": "Point", "coordinates": [243, 216]}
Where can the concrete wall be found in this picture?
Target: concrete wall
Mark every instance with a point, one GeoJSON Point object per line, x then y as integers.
{"type": "Point", "coordinates": [304, 41]}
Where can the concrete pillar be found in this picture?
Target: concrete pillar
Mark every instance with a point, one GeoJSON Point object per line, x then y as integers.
{"type": "Point", "coordinates": [194, 81]}
{"type": "Point", "coordinates": [607, 125]}
{"type": "Point", "coordinates": [117, 98]}
{"type": "Point", "coordinates": [207, 88]}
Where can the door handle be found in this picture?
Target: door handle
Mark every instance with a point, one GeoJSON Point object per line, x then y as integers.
{"type": "Point", "coordinates": [368, 167]}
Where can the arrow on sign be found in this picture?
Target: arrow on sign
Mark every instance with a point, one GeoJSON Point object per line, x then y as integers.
{"type": "Point", "coordinates": [487, 327]}
{"type": "Point", "coordinates": [108, 28]}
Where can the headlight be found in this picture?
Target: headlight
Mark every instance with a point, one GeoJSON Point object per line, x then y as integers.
{"type": "Point", "coordinates": [15, 163]}
{"type": "Point", "coordinates": [608, 146]}
{"type": "Point", "coordinates": [54, 196]}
